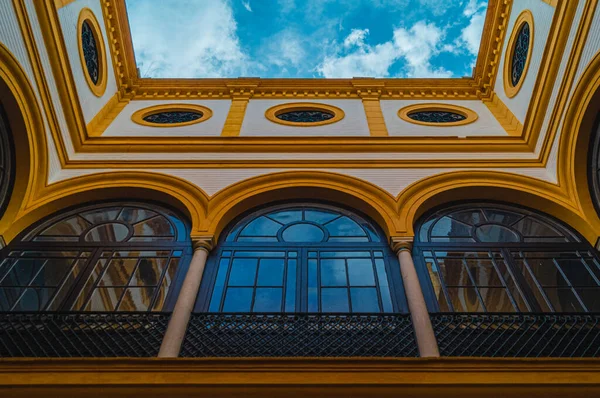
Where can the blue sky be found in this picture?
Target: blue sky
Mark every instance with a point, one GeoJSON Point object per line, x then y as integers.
{"type": "Point", "coordinates": [306, 38]}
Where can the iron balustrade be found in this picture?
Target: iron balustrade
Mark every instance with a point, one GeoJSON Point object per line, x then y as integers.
{"type": "Point", "coordinates": [299, 335]}
{"type": "Point", "coordinates": [517, 335]}
{"type": "Point", "coordinates": [52, 334]}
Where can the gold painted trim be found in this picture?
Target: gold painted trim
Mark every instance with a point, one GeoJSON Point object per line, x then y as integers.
{"type": "Point", "coordinates": [87, 15]}
{"type": "Point", "coordinates": [138, 116]}
{"type": "Point", "coordinates": [504, 116]}
{"type": "Point", "coordinates": [63, 3]}
{"type": "Point", "coordinates": [235, 117]}
{"type": "Point", "coordinates": [272, 113]}
{"type": "Point", "coordinates": [470, 115]}
{"type": "Point", "coordinates": [553, 3]}
{"type": "Point", "coordinates": [105, 116]}
{"type": "Point", "coordinates": [525, 17]}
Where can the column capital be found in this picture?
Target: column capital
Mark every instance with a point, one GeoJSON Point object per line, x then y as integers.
{"type": "Point", "coordinates": [400, 243]}
{"type": "Point", "coordinates": [206, 242]}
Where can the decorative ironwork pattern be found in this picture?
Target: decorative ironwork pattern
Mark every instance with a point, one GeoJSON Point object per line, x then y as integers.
{"type": "Point", "coordinates": [312, 116]}
{"type": "Point", "coordinates": [519, 56]}
{"type": "Point", "coordinates": [511, 335]}
{"type": "Point", "coordinates": [173, 117]}
{"type": "Point", "coordinates": [436, 116]}
{"type": "Point", "coordinates": [81, 334]}
{"type": "Point", "coordinates": [6, 162]}
{"type": "Point", "coordinates": [299, 335]}
{"type": "Point", "coordinates": [90, 52]}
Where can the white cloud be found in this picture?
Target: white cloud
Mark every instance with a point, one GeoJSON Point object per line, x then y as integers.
{"type": "Point", "coordinates": [471, 35]}
{"type": "Point", "coordinates": [472, 7]}
{"type": "Point", "coordinates": [169, 43]}
{"type": "Point", "coordinates": [285, 49]}
{"type": "Point", "coordinates": [416, 46]}
{"type": "Point", "coordinates": [246, 5]}
{"type": "Point", "coordinates": [356, 38]}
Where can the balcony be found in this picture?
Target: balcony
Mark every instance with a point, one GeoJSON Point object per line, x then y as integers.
{"type": "Point", "coordinates": [298, 335]}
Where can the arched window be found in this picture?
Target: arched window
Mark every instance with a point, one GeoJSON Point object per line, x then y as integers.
{"type": "Point", "coordinates": [302, 258]}
{"type": "Point", "coordinates": [106, 257]}
{"type": "Point", "coordinates": [6, 161]}
{"type": "Point", "coordinates": [498, 258]}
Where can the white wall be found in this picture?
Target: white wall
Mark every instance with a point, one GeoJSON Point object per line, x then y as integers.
{"type": "Point", "coordinates": [542, 20]}
{"type": "Point", "coordinates": [485, 125]}
{"type": "Point", "coordinates": [68, 16]}
{"type": "Point", "coordinates": [123, 126]}
{"type": "Point", "coordinates": [353, 124]}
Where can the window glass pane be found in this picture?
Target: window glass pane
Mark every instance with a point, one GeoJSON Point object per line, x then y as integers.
{"type": "Point", "coordinates": [243, 272]}
{"type": "Point", "coordinates": [360, 272]}
{"type": "Point", "coordinates": [133, 215]}
{"type": "Point", "coordinates": [286, 217]}
{"type": "Point", "coordinates": [8, 297]}
{"type": "Point", "coordinates": [423, 233]}
{"type": "Point", "coordinates": [364, 299]}
{"type": "Point", "coordinates": [158, 225]}
{"type": "Point", "coordinates": [563, 299]}
{"type": "Point", "coordinates": [118, 272]}
{"type": "Point", "coordinates": [161, 296]}
{"type": "Point", "coordinates": [262, 226]}
{"type": "Point", "coordinates": [465, 299]}
{"type": "Point", "coordinates": [238, 299]}
{"type": "Point", "coordinates": [73, 226]}
{"type": "Point", "coordinates": [530, 227]}
{"type": "Point", "coordinates": [345, 254]}
{"type": "Point", "coordinates": [270, 272]}
{"type": "Point", "coordinates": [496, 300]}
{"type": "Point", "coordinates": [447, 226]}
{"type": "Point", "coordinates": [99, 216]}
{"type": "Point", "coordinates": [290, 293]}
{"type": "Point", "coordinates": [483, 272]}
{"type": "Point", "coordinates": [496, 233]}
{"type": "Point", "coordinates": [89, 285]}
{"type": "Point", "coordinates": [34, 299]}
{"type": "Point", "coordinates": [303, 233]}
{"type": "Point", "coordinates": [148, 272]}
{"type": "Point", "coordinates": [257, 239]}
{"type": "Point", "coordinates": [53, 272]}
{"type": "Point", "coordinates": [313, 304]}
{"type": "Point", "coordinates": [576, 272]}
{"type": "Point", "coordinates": [23, 271]}
{"type": "Point", "coordinates": [104, 299]}
{"type": "Point", "coordinates": [334, 300]}
{"type": "Point", "coordinates": [469, 217]}
{"type": "Point", "coordinates": [384, 287]}
{"type": "Point", "coordinates": [518, 297]}
{"type": "Point", "coordinates": [344, 226]}
{"type": "Point", "coordinates": [502, 216]}
{"type": "Point", "coordinates": [112, 232]}
{"type": "Point", "coordinates": [137, 299]}
{"type": "Point", "coordinates": [215, 301]}
{"type": "Point", "coordinates": [348, 239]}
{"type": "Point", "coordinates": [454, 272]}
{"type": "Point", "coordinates": [333, 272]}
{"type": "Point", "coordinates": [530, 281]}
{"type": "Point", "coordinates": [268, 299]}
{"type": "Point", "coordinates": [319, 216]}
{"type": "Point", "coordinates": [546, 272]}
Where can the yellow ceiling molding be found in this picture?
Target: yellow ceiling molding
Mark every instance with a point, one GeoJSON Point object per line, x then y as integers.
{"type": "Point", "coordinates": [469, 115]}
{"type": "Point", "coordinates": [141, 115]}
{"type": "Point", "coordinates": [106, 116]}
{"type": "Point", "coordinates": [525, 18]}
{"type": "Point", "coordinates": [375, 119]}
{"type": "Point", "coordinates": [236, 114]}
{"type": "Point", "coordinates": [504, 116]}
{"type": "Point", "coordinates": [87, 17]}
{"type": "Point", "coordinates": [62, 3]}
{"type": "Point", "coordinates": [274, 112]}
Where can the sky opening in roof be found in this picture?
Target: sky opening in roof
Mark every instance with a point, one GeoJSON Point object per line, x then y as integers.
{"type": "Point", "coordinates": [306, 38]}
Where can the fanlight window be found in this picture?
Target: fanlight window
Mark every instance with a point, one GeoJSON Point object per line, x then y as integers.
{"type": "Point", "coordinates": [302, 258]}
{"type": "Point", "coordinates": [496, 258]}
{"type": "Point", "coordinates": [122, 257]}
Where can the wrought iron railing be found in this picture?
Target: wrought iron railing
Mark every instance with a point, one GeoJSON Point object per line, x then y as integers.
{"type": "Point", "coordinates": [81, 334]}
{"type": "Point", "coordinates": [517, 335]}
{"type": "Point", "coordinates": [299, 335]}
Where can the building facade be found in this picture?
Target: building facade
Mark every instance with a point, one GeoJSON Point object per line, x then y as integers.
{"type": "Point", "coordinates": [270, 237]}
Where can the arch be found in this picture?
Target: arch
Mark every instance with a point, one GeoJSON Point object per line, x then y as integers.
{"type": "Point", "coordinates": [351, 192]}
{"type": "Point", "coordinates": [27, 126]}
{"type": "Point", "coordinates": [431, 192]}
{"type": "Point", "coordinates": [162, 188]}
{"type": "Point", "coordinates": [574, 144]}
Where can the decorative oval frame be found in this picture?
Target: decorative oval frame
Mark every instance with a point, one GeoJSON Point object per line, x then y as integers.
{"type": "Point", "coordinates": [524, 17]}
{"type": "Point", "coordinates": [272, 113]}
{"type": "Point", "coordinates": [470, 115]}
{"type": "Point", "coordinates": [87, 15]}
{"type": "Point", "coordinates": [139, 115]}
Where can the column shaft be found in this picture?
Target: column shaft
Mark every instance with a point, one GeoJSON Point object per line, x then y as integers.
{"type": "Point", "coordinates": [424, 334]}
{"type": "Point", "coordinates": [171, 344]}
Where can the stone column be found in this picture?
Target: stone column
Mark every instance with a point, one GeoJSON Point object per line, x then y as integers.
{"type": "Point", "coordinates": [171, 344]}
{"type": "Point", "coordinates": [414, 296]}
